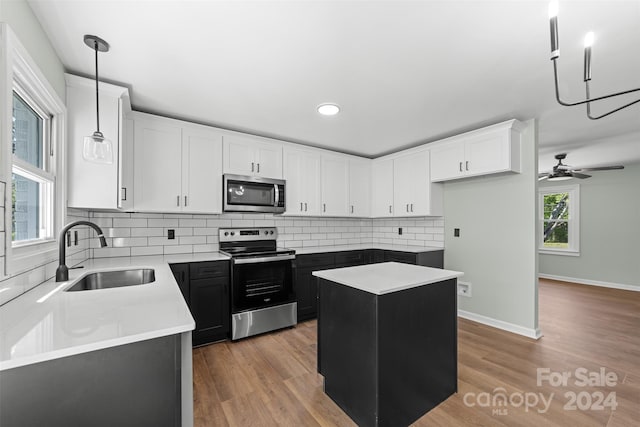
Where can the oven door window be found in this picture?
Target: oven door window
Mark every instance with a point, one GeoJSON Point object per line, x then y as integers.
{"type": "Point", "coordinates": [250, 193]}
{"type": "Point", "coordinates": [261, 285]}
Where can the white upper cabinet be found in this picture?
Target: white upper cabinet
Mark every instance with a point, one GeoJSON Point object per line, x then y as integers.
{"type": "Point", "coordinates": [335, 185]}
{"type": "Point", "coordinates": [96, 185]}
{"type": "Point", "coordinates": [178, 166]}
{"type": "Point", "coordinates": [414, 194]}
{"type": "Point", "coordinates": [359, 187]}
{"type": "Point", "coordinates": [493, 149]}
{"type": "Point", "coordinates": [301, 169]}
{"type": "Point", "coordinates": [246, 155]}
{"type": "Point", "coordinates": [201, 170]}
{"type": "Point", "coordinates": [382, 187]}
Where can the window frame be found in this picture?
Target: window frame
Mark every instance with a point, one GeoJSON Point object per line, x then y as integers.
{"type": "Point", "coordinates": [573, 222]}
{"type": "Point", "coordinates": [22, 76]}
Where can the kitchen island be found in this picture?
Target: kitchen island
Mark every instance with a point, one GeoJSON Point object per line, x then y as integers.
{"type": "Point", "coordinates": [387, 340]}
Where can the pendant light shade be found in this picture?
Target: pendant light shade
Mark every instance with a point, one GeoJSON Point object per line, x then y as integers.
{"type": "Point", "coordinates": [97, 148]}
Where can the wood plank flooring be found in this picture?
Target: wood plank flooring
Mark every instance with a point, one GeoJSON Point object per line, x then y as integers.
{"type": "Point", "coordinates": [271, 380]}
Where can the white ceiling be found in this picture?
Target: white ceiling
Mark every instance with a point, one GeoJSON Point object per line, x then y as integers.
{"type": "Point", "coordinates": [403, 72]}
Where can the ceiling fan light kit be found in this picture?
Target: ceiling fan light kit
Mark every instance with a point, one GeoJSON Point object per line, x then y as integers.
{"type": "Point", "coordinates": [562, 172]}
{"type": "Point", "coordinates": [588, 42]}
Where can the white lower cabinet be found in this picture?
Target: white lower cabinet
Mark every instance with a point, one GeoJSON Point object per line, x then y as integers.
{"type": "Point", "coordinates": [335, 185]}
{"type": "Point", "coordinates": [178, 166]}
{"type": "Point", "coordinates": [301, 168]}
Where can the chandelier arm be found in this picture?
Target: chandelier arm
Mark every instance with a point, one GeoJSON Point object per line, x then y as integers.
{"type": "Point", "coordinates": [586, 101]}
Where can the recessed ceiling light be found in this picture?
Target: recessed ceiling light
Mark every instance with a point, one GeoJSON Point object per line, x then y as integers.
{"type": "Point", "coordinates": [328, 109]}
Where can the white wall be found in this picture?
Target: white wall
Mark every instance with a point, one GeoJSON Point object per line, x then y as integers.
{"type": "Point", "coordinates": [24, 24]}
{"type": "Point", "coordinates": [609, 232]}
{"type": "Point", "coordinates": [496, 249]}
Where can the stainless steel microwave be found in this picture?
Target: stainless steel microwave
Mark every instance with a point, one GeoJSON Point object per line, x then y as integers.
{"type": "Point", "coordinates": [253, 194]}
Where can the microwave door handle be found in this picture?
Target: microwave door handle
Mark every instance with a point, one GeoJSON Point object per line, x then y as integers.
{"type": "Point", "coordinates": [275, 186]}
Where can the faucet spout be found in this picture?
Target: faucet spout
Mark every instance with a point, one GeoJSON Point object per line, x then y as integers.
{"type": "Point", "coordinates": [62, 272]}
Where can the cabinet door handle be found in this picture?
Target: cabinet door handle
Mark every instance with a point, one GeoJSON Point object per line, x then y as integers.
{"type": "Point", "coordinates": [411, 207]}
{"type": "Point", "coordinates": [324, 207]}
{"type": "Point", "coordinates": [407, 207]}
{"type": "Point", "coordinates": [185, 200]}
{"type": "Point", "coordinates": [252, 166]}
{"type": "Point", "coordinates": [466, 165]}
{"type": "Point", "coordinates": [460, 166]}
{"type": "Point", "coordinates": [123, 194]}
{"type": "Point", "coordinates": [351, 208]}
{"type": "Point", "coordinates": [258, 168]}
{"type": "Point", "coordinates": [389, 208]}
{"type": "Point", "coordinates": [178, 200]}
{"type": "Point", "coordinates": [305, 206]}
{"type": "Point", "coordinates": [301, 207]}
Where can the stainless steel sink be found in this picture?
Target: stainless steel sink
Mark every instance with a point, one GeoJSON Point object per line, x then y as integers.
{"type": "Point", "coordinates": [114, 279]}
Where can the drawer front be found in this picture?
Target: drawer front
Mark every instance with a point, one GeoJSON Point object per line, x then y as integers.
{"type": "Point", "coordinates": [205, 270]}
{"type": "Point", "coordinates": [404, 257]}
{"type": "Point", "coordinates": [350, 258]}
{"type": "Point", "coordinates": [315, 260]}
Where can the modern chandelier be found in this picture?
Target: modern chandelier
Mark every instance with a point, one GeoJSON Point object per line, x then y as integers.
{"type": "Point", "coordinates": [588, 42]}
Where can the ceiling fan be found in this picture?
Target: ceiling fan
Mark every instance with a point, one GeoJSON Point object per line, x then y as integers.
{"type": "Point", "coordinates": [561, 171]}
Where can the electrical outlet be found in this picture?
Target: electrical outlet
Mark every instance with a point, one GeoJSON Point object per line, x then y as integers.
{"type": "Point", "coordinates": [464, 289]}
{"type": "Point", "coordinates": [171, 234]}
{"type": "Point", "coordinates": [400, 231]}
{"type": "Point", "coordinates": [456, 232]}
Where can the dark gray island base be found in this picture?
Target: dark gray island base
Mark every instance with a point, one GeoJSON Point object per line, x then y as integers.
{"type": "Point", "coordinates": [387, 357]}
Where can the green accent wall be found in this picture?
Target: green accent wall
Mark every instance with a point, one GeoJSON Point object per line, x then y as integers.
{"type": "Point", "coordinates": [609, 230]}
{"type": "Point", "coordinates": [496, 249]}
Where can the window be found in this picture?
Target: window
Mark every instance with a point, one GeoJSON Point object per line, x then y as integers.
{"type": "Point", "coordinates": [32, 153]}
{"type": "Point", "coordinates": [32, 183]}
{"type": "Point", "coordinates": [559, 220]}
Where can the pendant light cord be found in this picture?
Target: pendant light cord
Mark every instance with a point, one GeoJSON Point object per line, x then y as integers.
{"type": "Point", "coordinates": [97, 92]}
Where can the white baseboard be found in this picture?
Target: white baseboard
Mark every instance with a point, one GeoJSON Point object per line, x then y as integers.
{"type": "Point", "coordinates": [591, 282]}
{"type": "Point", "coordinates": [505, 326]}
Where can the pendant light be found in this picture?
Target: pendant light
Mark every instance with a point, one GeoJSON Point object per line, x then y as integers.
{"type": "Point", "coordinates": [97, 148]}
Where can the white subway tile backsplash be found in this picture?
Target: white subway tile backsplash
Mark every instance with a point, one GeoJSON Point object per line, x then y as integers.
{"type": "Point", "coordinates": [162, 222]}
{"type": "Point", "coordinates": [205, 248]}
{"type": "Point", "coordinates": [120, 242]}
{"type": "Point", "coordinates": [147, 232]}
{"type": "Point", "coordinates": [147, 250]}
{"type": "Point", "coordinates": [192, 223]}
{"type": "Point", "coordinates": [178, 249]}
{"type": "Point", "coordinates": [242, 223]}
{"type": "Point", "coordinates": [129, 222]}
{"type": "Point", "coordinates": [109, 252]}
{"type": "Point", "coordinates": [119, 232]}
{"type": "Point", "coordinates": [192, 240]}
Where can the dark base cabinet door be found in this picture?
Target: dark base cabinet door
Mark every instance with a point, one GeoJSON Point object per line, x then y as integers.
{"type": "Point", "coordinates": [210, 309]}
{"type": "Point", "coordinates": [181, 274]}
{"type": "Point", "coordinates": [306, 294]}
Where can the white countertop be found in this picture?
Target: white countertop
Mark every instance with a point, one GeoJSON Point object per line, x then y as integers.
{"type": "Point", "coordinates": [364, 246]}
{"type": "Point", "coordinates": [386, 277]}
{"type": "Point", "coordinates": [47, 323]}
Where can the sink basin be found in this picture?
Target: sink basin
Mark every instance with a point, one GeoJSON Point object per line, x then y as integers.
{"type": "Point", "coordinates": [114, 279]}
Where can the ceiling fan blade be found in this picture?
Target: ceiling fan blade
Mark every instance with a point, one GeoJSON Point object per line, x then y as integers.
{"type": "Point", "coordinates": [542, 177]}
{"type": "Point", "coordinates": [580, 175]}
{"type": "Point", "coordinates": [563, 167]}
{"type": "Point", "coordinates": [543, 174]}
{"type": "Point", "coordinates": [601, 168]}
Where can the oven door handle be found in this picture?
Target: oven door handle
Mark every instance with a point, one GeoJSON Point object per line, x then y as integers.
{"type": "Point", "coordinates": [263, 259]}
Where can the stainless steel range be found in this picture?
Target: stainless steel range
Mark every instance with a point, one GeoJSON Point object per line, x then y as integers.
{"type": "Point", "coordinates": [262, 281]}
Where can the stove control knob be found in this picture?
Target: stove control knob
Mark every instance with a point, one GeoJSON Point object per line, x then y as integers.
{"type": "Point", "coordinates": [266, 232]}
{"type": "Point", "coordinates": [233, 233]}
{"type": "Point", "coordinates": [271, 232]}
{"type": "Point", "coordinates": [226, 233]}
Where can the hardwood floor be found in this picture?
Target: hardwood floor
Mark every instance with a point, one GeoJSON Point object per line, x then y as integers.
{"type": "Point", "coordinates": [271, 380]}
